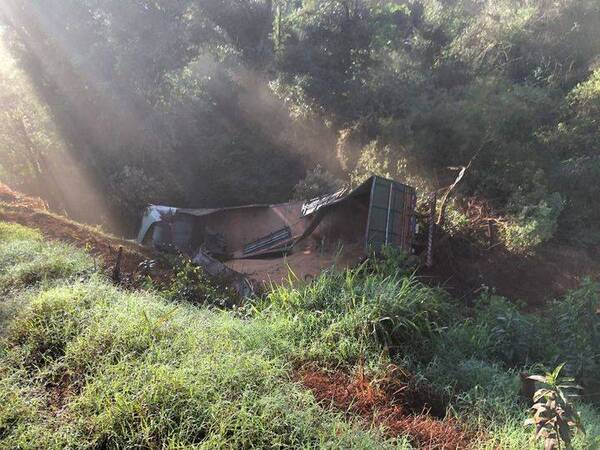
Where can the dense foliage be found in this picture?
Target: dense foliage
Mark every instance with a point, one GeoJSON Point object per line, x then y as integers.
{"type": "Point", "coordinates": [221, 102]}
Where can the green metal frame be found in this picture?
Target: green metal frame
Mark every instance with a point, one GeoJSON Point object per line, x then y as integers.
{"type": "Point", "coordinates": [391, 215]}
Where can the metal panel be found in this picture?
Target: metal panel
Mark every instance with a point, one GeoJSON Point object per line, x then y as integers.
{"type": "Point", "coordinates": [182, 228]}
{"type": "Point", "coordinates": [312, 206]}
{"type": "Point", "coordinates": [269, 241]}
{"type": "Point", "coordinates": [391, 218]}
{"type": "Point", "coordinates": [152, 215]}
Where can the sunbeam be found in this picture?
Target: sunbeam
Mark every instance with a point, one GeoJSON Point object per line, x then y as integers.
{"type": "Point", "coordinates": [62, 179]}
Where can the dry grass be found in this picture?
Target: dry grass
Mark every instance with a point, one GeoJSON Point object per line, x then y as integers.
{"type": "Point", "coordinates": [358, 395]}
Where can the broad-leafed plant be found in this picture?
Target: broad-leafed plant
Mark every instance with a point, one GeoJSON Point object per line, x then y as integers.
{"type": "Point", "coordinates": [554, 414]}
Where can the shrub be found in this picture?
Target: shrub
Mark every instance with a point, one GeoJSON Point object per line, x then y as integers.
{"type": "Point", "coordinates": [191, 284]}
{"type": "Point", "coordinates": [533, 225]}
{"type": "Point", "coordinates": [385, 161]}
{"type": "Point", "coordinates": [456, 222]}
{"type": "Point", "coordinates": [318, 182]}
{"type": "Point", "coordinates": [519, 339]}
{"type": "Point", "coordinates": [576, 329]}
{"type": "Point", "coordinates": [392, 260]}
{"type": "Point", "coordinates": [577, 180]}
{"type": "Point", "coordinates": [554, 414]}
{"type": "Point", "coordinates": [497, 332]}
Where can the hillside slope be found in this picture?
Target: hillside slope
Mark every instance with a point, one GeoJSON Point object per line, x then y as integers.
{"type": "Point", "coordinates": [461, 267]}
{"type": "Point", "coordinates": [352, 360]}
{"type": "Point", "coordinates": [86, 365]}
{"type": "Point", "coordinates": [32, 212]}
{"type": "Point", "coordinates": [550, 272]}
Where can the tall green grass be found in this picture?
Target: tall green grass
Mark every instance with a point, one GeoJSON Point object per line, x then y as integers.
{"type": "Point", "coordinates": [26, 260]}
{"type": "Point", "coordinates": [344, 317]}
{"type": "Point", "coordinates": [84, 364]}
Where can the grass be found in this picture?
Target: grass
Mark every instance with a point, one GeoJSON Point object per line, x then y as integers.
{"type": "Point", "coordinates": [345, 317]}
{"type": "Point", "coordinates": [84, 364]}
{"type": "Point", "coordinates": [129, 370]}
{"type": "Point", "coordinates": [512, 435]}
{"type": "Point", "coordinates": [26, 260]}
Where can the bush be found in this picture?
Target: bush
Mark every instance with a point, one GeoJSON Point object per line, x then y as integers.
{"type": "Point", "coordinates": [534, 225]}
{"type": "Point", "coordinates": [318, 182]}
{"type": "Point", "coordinates": [519, 339]}
{"type": "Point", "coordinates": [577, 180]}
{"type": "Point", "coordinates": [388, 162]}
{"type": "Point", "coordinates": [576, 328]}
{"type": "Point", "coordinates": [191, 284]}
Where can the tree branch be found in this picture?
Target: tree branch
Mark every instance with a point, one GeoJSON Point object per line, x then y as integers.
{"type": "Point", "coordinates": [452, 188]}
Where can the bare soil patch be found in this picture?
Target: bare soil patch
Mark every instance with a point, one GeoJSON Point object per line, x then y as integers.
{"type": "Point", "coordinates": [465, 269]}
{"type": "Point", "coordinates": [383, 403]}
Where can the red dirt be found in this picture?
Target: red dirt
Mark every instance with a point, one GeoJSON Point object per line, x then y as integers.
{"type": "Point", "coordinates": [7, 195]}
{"type": "Point", "coordinates": [31, 212]}
{"type": "Point", "coordinates": [464, 268]}
{"type": "Point", "coordinates": [60, 392]}
{"type": "Point", "coordinates": [383, 405]}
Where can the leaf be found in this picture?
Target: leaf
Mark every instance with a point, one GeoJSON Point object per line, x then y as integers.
{"type": "Point", "coordinates": [541, 394]}
{"type": "Point", "coordinates": [567, 380]}
{"type": "Point", "coordinates": [557, 371]}
{"type": "Point", "coordinates": [564, 432]}
{"type": "Point", "coordinates": [539, 378]}
{"type": "Point", "coordinates": [569, 386]}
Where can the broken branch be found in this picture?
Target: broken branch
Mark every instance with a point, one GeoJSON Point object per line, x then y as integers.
{"type": "Point", "coordinates": [459, 178]}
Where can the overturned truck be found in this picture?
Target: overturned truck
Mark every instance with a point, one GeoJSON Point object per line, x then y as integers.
{"type": "Point", "coordinates": [265, 243]}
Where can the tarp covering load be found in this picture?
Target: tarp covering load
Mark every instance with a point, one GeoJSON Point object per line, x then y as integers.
{"type": "Point", "coordinates": [265, 242]}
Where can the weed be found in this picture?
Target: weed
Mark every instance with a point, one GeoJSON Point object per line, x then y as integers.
{"type": "Point", "coordinates": [191, 284]}
{"type": "Point", "coordinates": [554, 414]}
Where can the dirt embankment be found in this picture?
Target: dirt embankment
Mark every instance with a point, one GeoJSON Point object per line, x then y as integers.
{"type": "Point", "coordinates": [465, 268]}
{"type": "Point", "coordinates": [136, 262]}
{"type": "Point", "coordinates": [388, 403]}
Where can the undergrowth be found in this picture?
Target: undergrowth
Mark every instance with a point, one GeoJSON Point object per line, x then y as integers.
{"type": "Point", "coordinates": [84, 364]}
